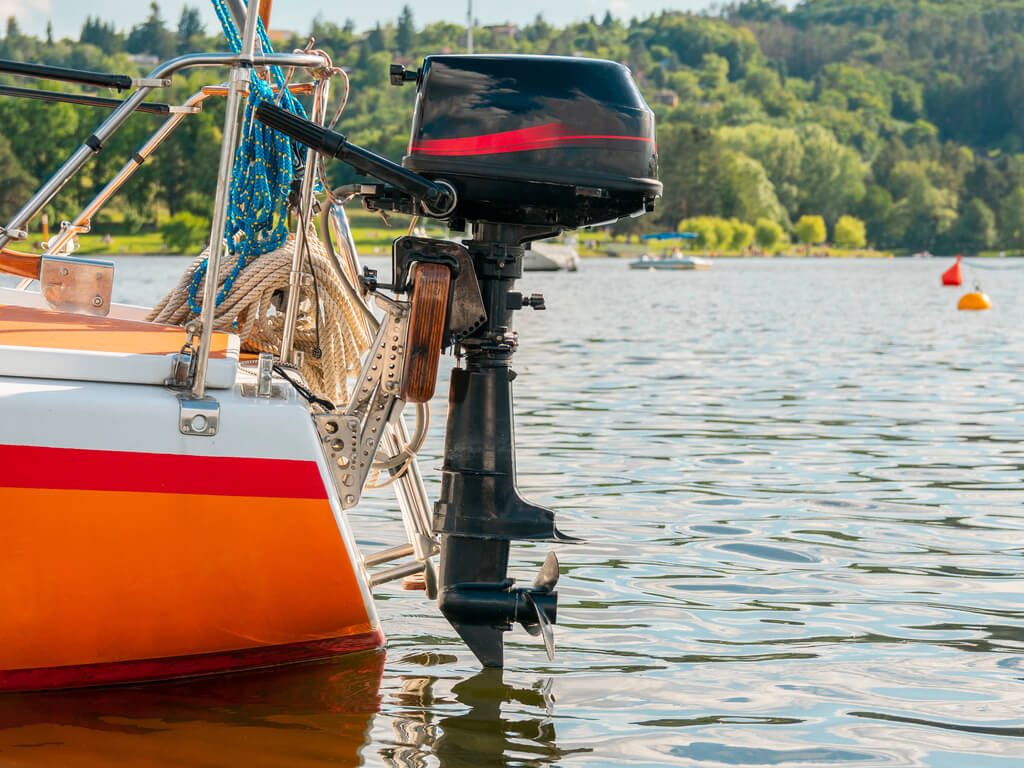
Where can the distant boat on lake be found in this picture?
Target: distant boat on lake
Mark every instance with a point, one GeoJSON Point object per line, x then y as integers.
{"type": "Point", "coordinates": [551, 257]}
{"type": "Point", "coordinates": [673, 259]}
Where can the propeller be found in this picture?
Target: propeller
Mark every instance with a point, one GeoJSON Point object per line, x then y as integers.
{"type": "Point", "coordinates": [543, 627]}
{"type": "Point", "coordinates": [547, 578]}
{"type": "Point", "coordinates": [543, 587]}
{"type": "Point", "coordinates": [481, 612]}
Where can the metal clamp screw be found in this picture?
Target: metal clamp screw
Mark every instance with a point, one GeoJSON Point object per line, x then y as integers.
{"type": "Point", "coordinates": [14, 234]}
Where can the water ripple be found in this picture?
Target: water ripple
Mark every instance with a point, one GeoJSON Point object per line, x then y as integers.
{"type": "Point", "coordinates": [801, 489]}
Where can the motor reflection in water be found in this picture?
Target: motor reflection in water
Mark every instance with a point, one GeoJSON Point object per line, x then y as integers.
{"type": "Point", "coordinates": [481, 731]}
{"type": "Point", "coordinates": [314, 714]}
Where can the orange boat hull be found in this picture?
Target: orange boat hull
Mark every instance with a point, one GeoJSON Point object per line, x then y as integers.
{"type": "Point", "coordinates": [123, 567]}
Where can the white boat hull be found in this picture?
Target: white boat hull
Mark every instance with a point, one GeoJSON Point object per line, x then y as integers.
{"type": "Point", "coordinates": [689, 262]}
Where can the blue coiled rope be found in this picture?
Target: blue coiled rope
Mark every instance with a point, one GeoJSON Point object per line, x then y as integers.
{"type": "Point", "coordinates": [261, 179]}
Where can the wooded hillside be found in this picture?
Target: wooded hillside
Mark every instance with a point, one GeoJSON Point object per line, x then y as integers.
{"type": "Point", "coordinates": [906, 115]}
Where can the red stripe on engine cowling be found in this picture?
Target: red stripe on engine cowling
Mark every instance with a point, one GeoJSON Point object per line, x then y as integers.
{"type": "Point", "coordinates": [520, 140]}
{"type": "Point", "coordinates": [26, 466]}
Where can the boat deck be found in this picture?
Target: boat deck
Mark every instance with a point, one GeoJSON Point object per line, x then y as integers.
{"type": "Point", "coordinates": [42, 343]}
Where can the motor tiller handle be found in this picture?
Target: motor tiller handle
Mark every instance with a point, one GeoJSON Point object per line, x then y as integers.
{"type": "Point", "coordinates": [439, 197]}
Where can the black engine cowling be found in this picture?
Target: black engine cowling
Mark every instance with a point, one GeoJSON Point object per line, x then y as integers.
{"type": "Point", "coordinates": [535, 140]}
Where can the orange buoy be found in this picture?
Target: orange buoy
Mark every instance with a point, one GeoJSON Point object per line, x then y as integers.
{"type": "Point", "coordinates": [953, 275]}
{"type": "Point", "coordinates": [974, 300]}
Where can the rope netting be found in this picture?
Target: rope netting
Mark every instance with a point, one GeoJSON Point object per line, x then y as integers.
{"type": "Point", "coordinates": [257, 220]}
{"type": "Point", "coordinates": [252, 289]}
{"type": "Point", "coordinates": [255, 311]}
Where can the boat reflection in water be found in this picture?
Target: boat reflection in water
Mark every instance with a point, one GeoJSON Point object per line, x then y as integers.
{"type": "Point", "coordinates": [483, 734]}
{"type": "Point", "coordinates": [317, 713]}
{"type": "Point", "coordinates": [311, 714]}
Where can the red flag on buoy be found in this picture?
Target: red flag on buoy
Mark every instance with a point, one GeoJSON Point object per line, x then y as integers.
{"type": "Point", "coordinates": [953, 276]}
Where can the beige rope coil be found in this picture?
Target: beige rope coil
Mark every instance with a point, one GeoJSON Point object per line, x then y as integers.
{"type": "Point", "coordinates": [254, 309]}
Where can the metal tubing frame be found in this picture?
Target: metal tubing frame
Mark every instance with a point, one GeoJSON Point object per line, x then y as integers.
{"type": "Point", "coordinates": [239, 86]}
{"type": "Point", "coordinates": [117, 118]}
{"type": "Point", "coordinates": [408, 489]}
{"type": "Point", "coordinates": [83, 221]}
{"type": "Point", "coordinates": [388, 555]}
{"type": "Point", "coordinates": [291, 315]}
{"type": "Point", "coordinates": [396, 572]}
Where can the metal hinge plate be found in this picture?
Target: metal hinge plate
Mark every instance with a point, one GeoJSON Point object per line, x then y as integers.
{"type": "Point", "coordinates": [198, 418]}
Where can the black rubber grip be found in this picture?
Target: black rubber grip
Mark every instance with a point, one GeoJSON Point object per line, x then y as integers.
{"type": "Point", "coordinates": [80, 98]}
{"type": "Point", "coordinates": [303, 131]}
{"type": "Point", "coordinates": [333, 144]}
{"type": "Point", "coordinates": [81, 76]}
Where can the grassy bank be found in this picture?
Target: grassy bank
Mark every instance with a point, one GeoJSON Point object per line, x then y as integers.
{"type": "Point", "coordinates": [374, 237]}
{"type": "Point", "coordinates": [625, 250]}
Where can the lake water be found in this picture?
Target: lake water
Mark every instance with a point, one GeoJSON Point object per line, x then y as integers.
{"type": "Point", "coordinates": [801, 485]}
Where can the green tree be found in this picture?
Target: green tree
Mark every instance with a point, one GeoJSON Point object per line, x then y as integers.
{"type": "Point", "coordinates": [377, 39]}
{"type": "Point", "coordinates": [18, 184]}
{"type": "Point", "coordinates": [13, 33]}
{"type": "Point", "coordinates": [713, 73]}
{"type": "Point", "coordinates": [831, 179]}
{"type": "Point", "coordinates": [185, 231]}
{"type": "Point", "coordinates": [190, 29]}
{"type": "Point", "coordinates": [810, 230]}
{"type": "Point", "coordinates": [767, 234]}
{"type": "Point", "coordinates": [152, 36]}
{"type": "Point", "coordinates": [742, 235]}
{"type": "Point", "coordinates": [850, 232]}
{"type": "Point", "coordinates": [779, 151]}
{"type": "Point", "coordinates": [724, 232]}
{"type": "Point", "coordinates": [101, 34]}
{"type": "Point", "coordinates": [707, 229]}
{"type": "Point", "coordinates": [1011, 219]}
{"type": "Point", "coordinates": [692, 153]}
{"type": "Point", "coordinates": [746, 191]}
{"type": "Point", "coordinates": [926, 206]}
{"type": "Point", "coordinates": [876, 208]}
{"type": "Point", "coordinates": [976, 229]}
{"type": "Point", "coordinates": [405, 32]}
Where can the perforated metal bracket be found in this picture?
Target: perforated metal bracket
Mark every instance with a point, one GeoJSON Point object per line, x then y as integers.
{"type": "Point", "coordinates": [198, 418]}
{"type": "Point", "coordinates": [350, 439]}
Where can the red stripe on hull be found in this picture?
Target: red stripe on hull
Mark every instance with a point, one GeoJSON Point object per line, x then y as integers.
{"type": "Point", "coordinates": [150, 670]}
{"type": "Point", "coordinates": [26, 466]}
{"type": "Point", "coordinates": [520, 140]}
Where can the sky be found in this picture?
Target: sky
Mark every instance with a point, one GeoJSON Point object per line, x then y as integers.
{"type": "Point", "coordinates": [68, 15]}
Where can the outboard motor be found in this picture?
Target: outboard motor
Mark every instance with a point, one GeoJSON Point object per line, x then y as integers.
{"type": "Point", "coordinates": [518, 148]}
{"type": "Point", "coordinates": [532, 145]}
